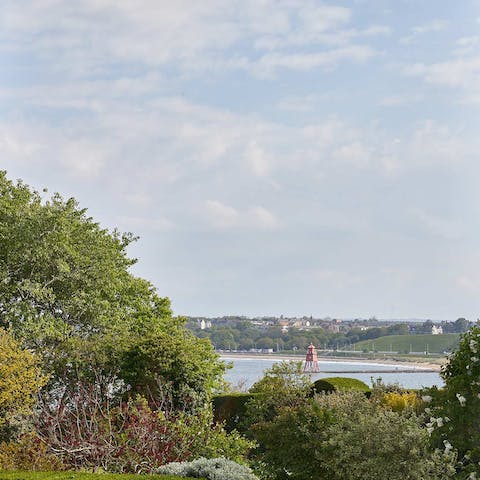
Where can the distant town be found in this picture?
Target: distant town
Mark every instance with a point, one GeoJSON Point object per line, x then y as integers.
{"type": "Point", "coordinates": [292, 334]}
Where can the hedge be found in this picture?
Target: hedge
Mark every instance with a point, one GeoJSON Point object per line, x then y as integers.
{"type": "Point", "coordinates": [231, 409]}
{"type": "Point", "coordinates": [334, 384]}
{"type": "Point", "coordinates": [70, 475]}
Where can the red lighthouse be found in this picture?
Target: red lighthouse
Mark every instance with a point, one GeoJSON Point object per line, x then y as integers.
{"type": "Point", "coordinates": [311, 360]}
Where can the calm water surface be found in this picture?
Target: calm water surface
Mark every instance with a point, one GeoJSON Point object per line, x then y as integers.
{"type": "Point", "coordinates": [249, 370]}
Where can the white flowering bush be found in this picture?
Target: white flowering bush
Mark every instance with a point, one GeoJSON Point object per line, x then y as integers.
{"type": "Point", "coordinates": [454, 412]}
{"type": "Point", "coordinates": [209, 468]}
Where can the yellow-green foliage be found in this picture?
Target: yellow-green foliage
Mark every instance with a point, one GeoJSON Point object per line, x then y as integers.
{"type": "Point", "coordinates": [29, 453]}
{"type": "Point", "coordinates": [20, 378]}
{"type": "Point", "coordinates": [398, 402]}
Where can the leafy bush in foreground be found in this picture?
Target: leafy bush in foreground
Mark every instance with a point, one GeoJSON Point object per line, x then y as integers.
{"type": "Point", "coordinates": [29, 453]}
{"type": "Point", "coordinates": [76, 476]}
{"type": "Point", "coordinates": [91, 431]}
{"type": "Point", "coordinates": [20, 379]}
{"type": "Point", "coordinates": [231, 409]}
{"type": "Point", "coordinates": [284, 384]}
{"type": "Point", "coordinates": [209, 468]}
{"type": "Point", "coordinates": [454, 411]}
{"type": "Point", "coordinates": [344, 436]}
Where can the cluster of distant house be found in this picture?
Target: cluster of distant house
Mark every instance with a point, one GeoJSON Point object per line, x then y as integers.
{"type": "Point", "coordinates": [332, 325]}
{"type": "Point", "coordinates": [304, 323]}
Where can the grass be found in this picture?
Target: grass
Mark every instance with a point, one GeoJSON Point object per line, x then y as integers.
{"type": "Point", "coordinates": [410, 343]}
{"type": "Point", "coordinates": [79, 476]}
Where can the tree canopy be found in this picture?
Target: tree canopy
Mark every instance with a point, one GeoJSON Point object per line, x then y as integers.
{"type": "Point", "coordinates": [66, 292]}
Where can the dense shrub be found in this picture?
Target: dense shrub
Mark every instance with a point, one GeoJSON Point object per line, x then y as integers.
{"type": "Point", "coordinates": [334, 384]}
{"type": "Point", "coordinates": [89, 431]}
{"type": "Point", "coordinates": [76, 476]}
{"type": "Point", "coordinates": [345, 436]}
{"type": "Point", "coordinates": [453, 412]}
{"type": "Point", "coordinates": [399, 402]}
{"type": "Point", "coordinates": [29, 453]}
{"type": "Point", "coordinates": [230, 409]}
{"type": "Point", "coordinates": [210, 469]}
{"type": "Point", "coordinates": [284, 384]}
{"type": "Point", "coordinates": [20, 379]}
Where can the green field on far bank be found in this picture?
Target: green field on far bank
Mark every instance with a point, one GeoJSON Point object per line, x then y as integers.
{"type": "Point", "coordinates": [410, 343]}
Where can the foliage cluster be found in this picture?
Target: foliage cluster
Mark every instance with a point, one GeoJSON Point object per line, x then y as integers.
{"type": "Point", "coordinates": [66, 292]}
{"type": "Point", "coordinates": [209, 469]}
{"type": "Point", "coordinates": [453, 412]}
{"type": "Point", "coordinates": [283, 385]}
{"type": "Point", "coordinates": [339, 434]}
{"type": "Point", "coordinates": [399, 402]}
{"type": "Point", "coordinates": [334, 384]}
{"type": "Point", "coordinates": [20, 380]}
{"type": "Point", "coordinates": [90, 431]}
{"type": "Point", "coordinates": [29, 453]}
{"type": "Point", "coordinates": [20, 475]}
{"type": "Point", "coordinates": [345, 436]}
{"type": "Point", "coordinates": [230, 409]}
{"type": "Point", "coordinates": [124, 385]}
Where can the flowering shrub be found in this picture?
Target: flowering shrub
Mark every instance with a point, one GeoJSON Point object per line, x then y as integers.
{"type": "Point", "coordinates": [345, 436]}
{"type": "Point", "coordinates": [211, 469]}
{"type": "Point", "coordinates": [87, 430]}
{"type": "Point", "coordinates": [453, 413]}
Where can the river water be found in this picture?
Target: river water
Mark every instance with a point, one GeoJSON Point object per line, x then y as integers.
{"type": "Point", "coordinates": [247, 371]}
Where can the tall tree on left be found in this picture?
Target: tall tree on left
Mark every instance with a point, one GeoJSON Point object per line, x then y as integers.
{"type": "Point", "coordinates": [67, 293]}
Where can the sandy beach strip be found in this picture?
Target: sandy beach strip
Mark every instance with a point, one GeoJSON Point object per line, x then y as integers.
{"type": "Point", "coordinates": [379, 361]}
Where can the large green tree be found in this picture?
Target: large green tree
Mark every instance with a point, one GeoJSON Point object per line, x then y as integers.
{"type": "Point", "coordinates": [66, 292]}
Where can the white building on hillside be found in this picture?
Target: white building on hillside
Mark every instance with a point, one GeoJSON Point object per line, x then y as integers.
{"type": "Point", "coordinates": [437, 330]}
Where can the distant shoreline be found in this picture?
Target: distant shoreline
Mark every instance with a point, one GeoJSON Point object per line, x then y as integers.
{"type": "Point", "coordinates": [383, 361]}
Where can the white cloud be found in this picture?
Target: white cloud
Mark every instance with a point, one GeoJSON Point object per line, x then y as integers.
{"type": "Point", "coordinates": [355, 153]}
{"type": "Point", "coordinates": [332, 279]}
{"type": "Point", "coordinates": [262, 218]}
{"type": "Point", "coordinates": [155, 224]}
{"type": "Point", "coordinates": [325, 60]}
{"type": "Point", "coordinates": [433, 144]}
{"type": "Point", "coordinates": [258, 159]}
{"type": "Point", "coordinates": [221, 215]}
{"type": "Point", "coordinates": [85, 37]}
{"type": "Point", "coordinates": [465, 46]}
{"type": "Point", "coordinates": [462, 73]}
{"type": "Point", "coordinates": [437, 225]}
{"type": "Point", "coordinates": [433, 26]}
{"type": "Point", "coordinates": [469, 284]}
{"type": "Point", "coordinates": [14, 146]}
{"type": "Point", "coordinates": [298, 103]}
{"type": "Point", "coordinates": [83, 159]}
{"type": "Point", "coordinates": [225, 217]}
{"type": "Point", "coordinates": [401, 99]}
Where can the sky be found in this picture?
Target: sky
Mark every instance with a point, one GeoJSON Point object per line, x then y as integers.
{"type": "Point", "coordinates": [273, 156]}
